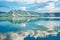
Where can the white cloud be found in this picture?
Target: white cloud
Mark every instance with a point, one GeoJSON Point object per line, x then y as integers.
{"type": "Point", "coordinates": [23, 8]}
{"type": "Point", "coordinates": [40, 1]}
{"type": "Point", "coordinates": [22, 1]}
{"type": "Point", "coordinates": [29, 1]}
{"type": "Point", "coordinates": [50, 8]}
{"type": "Point", "coordinates": [53, 0]}
{"type": "Point", "coordinates": [9, 0]}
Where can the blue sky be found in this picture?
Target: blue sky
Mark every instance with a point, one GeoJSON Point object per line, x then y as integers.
{"type": "Point", "coordinates": [32, 5]}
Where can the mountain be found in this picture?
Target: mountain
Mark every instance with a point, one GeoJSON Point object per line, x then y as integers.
{"type": "Point", "coordinates": [24, 12]}
{"type": "Point", "coordinates": [54, 14]}
{"type": "Point", "coordinates": [20, 16]}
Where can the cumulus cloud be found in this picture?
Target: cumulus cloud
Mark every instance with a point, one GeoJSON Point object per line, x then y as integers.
{"type": "Point", "coordinates": [50, 8]}
{"type": "Point", "coordinates": [54, 0]}
{"type": "Point", "coordinates": [29, 1]}
{"type": "Point", "coordinates": [40, 1]}
{"type": "Point", "coordinates": [21, 1]}
{"type": "Point", "coordinates": [9, 0]}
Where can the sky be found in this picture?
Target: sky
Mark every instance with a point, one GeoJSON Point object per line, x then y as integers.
{"type": "Point", "coordinates": [31, 5]}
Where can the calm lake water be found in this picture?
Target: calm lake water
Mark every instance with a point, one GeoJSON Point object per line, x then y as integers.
{"type": "Point", "coordinates": [30, 28]}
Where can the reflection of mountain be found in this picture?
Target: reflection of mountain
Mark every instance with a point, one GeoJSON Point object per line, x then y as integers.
{"type": "Point", "coordinates": [20, 16]}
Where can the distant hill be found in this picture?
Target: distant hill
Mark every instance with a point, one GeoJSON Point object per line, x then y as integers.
{"type": "Point", "coordinates": [22, 12]}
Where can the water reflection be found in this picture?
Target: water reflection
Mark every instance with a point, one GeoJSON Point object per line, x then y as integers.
{"type": "Point", "coordinates": [24, 25]}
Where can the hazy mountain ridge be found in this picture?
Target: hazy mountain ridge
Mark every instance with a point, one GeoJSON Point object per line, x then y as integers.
{"type": "Point", "coordinates": [24, 12]}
